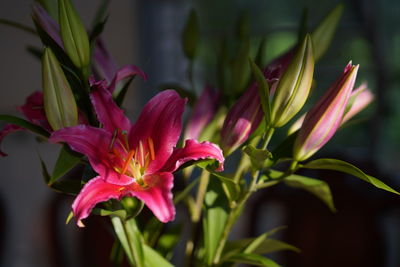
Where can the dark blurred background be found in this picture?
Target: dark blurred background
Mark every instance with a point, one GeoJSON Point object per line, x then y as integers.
{"type": "Point", "coordinates": [365, 230]}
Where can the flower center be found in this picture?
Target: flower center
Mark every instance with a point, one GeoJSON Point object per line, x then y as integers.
{"type": "Point", "coordinates": [134, 162]}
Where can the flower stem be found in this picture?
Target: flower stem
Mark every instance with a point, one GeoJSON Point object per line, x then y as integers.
{"type": "Point", "coordinates": [196, 215]}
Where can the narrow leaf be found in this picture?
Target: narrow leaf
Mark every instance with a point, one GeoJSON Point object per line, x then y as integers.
{"type": "Point", "coordinates": [253, 259]}
{"type": "Point", "coordinates": [120, 232]}
{"type": "Point", "coordinates": [190, 35]}
{"type": "Point", "coordinates": [314, 186]}
{"type": "Point", "coordinates": [153, 259]}
{"type": "Point", "coordinates": [214, 219]}
{"type": "Point", "coordinates": [342, 166]}
{"type": "Point", "coordinates": [25, 124]}
{"type": "Point", "coordinates": [67, 159]}
{"type": "Point", "coordinates": [322, 36]}
{"type": "Point", "coordinates": [263, 90]}
{"type": "Point", "coordinates": [257, 156]}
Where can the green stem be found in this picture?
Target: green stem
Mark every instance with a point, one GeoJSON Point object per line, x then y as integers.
{"type": "Point", "coordinates": [267, 137]}
{"type": "Point", "coordinates": [232, 217]}
{"type": "Point", "coordinates": [196, 215]}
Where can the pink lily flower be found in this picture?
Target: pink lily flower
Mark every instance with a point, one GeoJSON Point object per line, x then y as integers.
{"type": "Point", "coordinates": [362, 98]}
{"type": "Point", "coordinates": [203, 111]}
{"type": "Point", "coordinates": [322, 121]}
{"type": "Point", "coordinates": [134, 160]}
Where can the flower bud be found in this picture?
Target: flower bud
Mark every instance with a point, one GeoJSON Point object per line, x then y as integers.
{"type": "Point", "coordinates": [242, 120]}
{"type": "Point", "coordinates": [322, 121]}
{"type": "Point", "coordinates": [73, 34]}
{"type": "Point", "coordinates": [294, 85]}
{"type": "Point", "coordinates": [360, 98]}
{"type": "Point", "coordinates": [59, 102]}
{"type": "Point", "coordinates": [203, 111]}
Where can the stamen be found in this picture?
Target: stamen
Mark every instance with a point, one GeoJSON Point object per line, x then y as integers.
{"type": "Point", "coordinates": [151, 148]}
{"type": "Point", "coordinates": [141, 153]}
{"type": "Point", "coordinates": [114, 137]}
{"type": "Point", "coordinates": [127, 160]}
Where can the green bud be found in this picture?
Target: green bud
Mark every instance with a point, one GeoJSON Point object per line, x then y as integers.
{"type": "Point", "coordinates": [190, 35]}
{"type": "Point", "coordinates": [59, 102]}
{"type": "Point", "coordinates": [294, 86]}
{"type": "Point", "coordinates": [73, 34]}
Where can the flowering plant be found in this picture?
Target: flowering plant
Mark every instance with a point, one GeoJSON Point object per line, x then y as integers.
{"type": "Point", "coordinates": [130, 167]}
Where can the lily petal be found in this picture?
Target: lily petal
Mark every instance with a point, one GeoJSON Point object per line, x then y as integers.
{"type": "Point", "coordinates": [194, 150]}
{"type": "Point", "coordinates": [108, 113]}
{"type": "Point", "coordinates": [47, 23]}
{"type": "Point", "coordinates": [104, 63]}
{"type": "Point", "coordinates": [160, 121]}
{"type": "Point", "coordinates": [94, 143]}
{"type": "Point", "coordinates": [125, 72]}
{"type": "Point", "coordinates": [8, 128]}
{"type": "Point", "coordinates": [95, 191]}
{"type": "Point", "coordinates": [157, 195]}
{"type": "Point", "coordinates": [33, 110]}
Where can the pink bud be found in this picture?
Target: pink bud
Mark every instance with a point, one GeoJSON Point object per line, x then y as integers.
{"type": "Point", "coordinates": [362, 98]}
{"type": "Point", "coordinates": [242, 120]}
{"type": "Point", "coordinates": [322, 121]}
{"type": "Point", "coordinates": [203, 111]}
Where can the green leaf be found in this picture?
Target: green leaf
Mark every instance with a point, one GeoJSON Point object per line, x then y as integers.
{"type": "Point", "coordinates": [103, 212]}
{"type": "Point", "coordinates": [318, 188]}
{"type": "Point", "coordinates": [259, 245]}
{"type": "Point", "coordinates": [67, 186]}
{"type": "Point", "coordinates": [322, 36]}
{"type": "Point", "coordinates": [342, 166]}
{"type": "Point", "coordinates": [253, 259]}
{"type": "Point", "coordinates": [120, 232]}
{"type": "Point", "coordinates": [136, 242]}
{"type": "Point", "coordinates": [181, 195]}
{"type": "Point", "coordinates": [214, 219]}
{"type": "Point", "coordinates": [168, 240]}
{"type": "Point", "coordinates": [270, 245]}
{"type": "Point", "coordinates": [17, 25]}
{"type": "Point", "coordinates": [73, 34]}
{"type": "Point", "coordinates": [190, 35]}
{"type": "Point", "coordinates": [25, 124]}
{"type": "Point", "coordinates": [231, 188]}
{"type": "Point", "coordinates": [256, 242]}
{"type": "Point", "coordinates": [263, 90]}
{"type": "Point", "coordinates": [101, 14]}
{"type": "Point", "coordinates": [153, 259]}
{"type": "Point", "coordinates": [45, 173]}
{"type": "Point", "coordinates": [284, 150]}
{"type": "Point", "coordinates": [59, 102]}
{"type": "Point", "coordinates": [257, 156]}
{"type": "Point", "coordinates": [67, 159]}
{"type": "Point", "coordinates": [240, 69]}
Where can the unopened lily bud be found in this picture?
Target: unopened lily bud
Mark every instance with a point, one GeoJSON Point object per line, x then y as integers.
{"type": "Point", "coordinates": [242, 120]}
{"type": "Point", "coordinates": [203, 111]}
{"type": "Point", "coordinates": [360, 98]}
{"type": "Point", "coordinates": [59, 102]}
{"type": "Point", "coordinates": [322, 121]}
{"type": "Point", "coordinates": [73, 34]}
{"type": "Point", "coordinates": [294, 85]}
